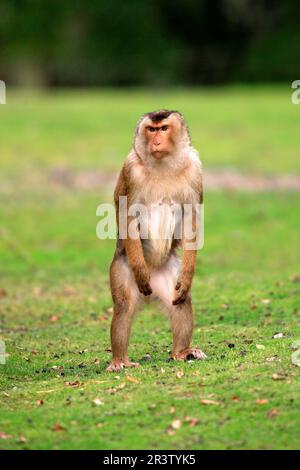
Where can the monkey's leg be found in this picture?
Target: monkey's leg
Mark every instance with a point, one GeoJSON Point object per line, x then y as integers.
{"type": "Point", "coordinates": [125, 296]}
{"type": "Point", "coordinates": [163, 283]}
{"type": "Point", "coordinates": [182, 327]}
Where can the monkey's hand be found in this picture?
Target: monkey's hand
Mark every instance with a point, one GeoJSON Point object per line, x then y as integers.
{"type": "Point", "coordinates": [142, 278]}
{"type": "Point", "coordinates": [182, 288]}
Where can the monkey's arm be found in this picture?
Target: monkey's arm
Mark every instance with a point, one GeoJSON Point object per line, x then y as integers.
{"type": "Point", "coordinates": [189, 246]}
{"type": "Point", "coordinates": [133, 246]}
{"type": "Point", "coordinates": [136, 260]}
{"type": "Point", "coordinates": [184, 282]}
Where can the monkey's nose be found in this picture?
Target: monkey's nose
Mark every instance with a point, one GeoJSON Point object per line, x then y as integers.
{"type": "Point", "coordinates": [156, 144]}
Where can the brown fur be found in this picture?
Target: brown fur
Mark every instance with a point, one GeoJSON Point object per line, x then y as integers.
{"type": "Point", "coordinates": [143, 268]}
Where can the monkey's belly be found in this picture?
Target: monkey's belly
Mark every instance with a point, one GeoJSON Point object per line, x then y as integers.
{"type": "Point", "coordinates": [156, 252]}
{"type": "Point", "coordinates": [163, 280]}
{"type": "Point", "coordinates": [158, 235]}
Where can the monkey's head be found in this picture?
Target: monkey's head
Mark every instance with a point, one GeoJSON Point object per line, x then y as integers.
{"type": "Point", "coordinates": [161, 134]}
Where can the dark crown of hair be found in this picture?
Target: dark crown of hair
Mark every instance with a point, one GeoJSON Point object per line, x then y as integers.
{"type": "Point", "coordinates": [157, 116]}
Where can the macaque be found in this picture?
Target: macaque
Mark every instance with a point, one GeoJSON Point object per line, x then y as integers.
{"type": "Point", "coordinates": [162, 168]}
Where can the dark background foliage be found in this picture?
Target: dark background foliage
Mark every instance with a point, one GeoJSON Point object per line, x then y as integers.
{"type": "Point", "coordinates": [116, 42]}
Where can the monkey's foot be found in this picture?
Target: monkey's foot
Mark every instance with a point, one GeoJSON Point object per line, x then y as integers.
{"type": "Point", "coordinates": [117, 365]}
{"type": "Point", "coordinates": [189, 354]}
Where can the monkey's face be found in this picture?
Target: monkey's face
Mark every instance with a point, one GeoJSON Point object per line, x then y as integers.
{"type": "Point", "coordinates": [159, 138]}
{"type": "Point", "coordinates": [161, 134]}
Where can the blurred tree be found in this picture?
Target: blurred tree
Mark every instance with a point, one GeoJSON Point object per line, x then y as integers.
{"type": "Point", "coordinates": [153, 42]}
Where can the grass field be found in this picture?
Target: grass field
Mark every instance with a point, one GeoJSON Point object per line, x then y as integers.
{"type": "Point", "coordinates": [252, 128]}
{"type": "Point", "coordinates": [55, 305]}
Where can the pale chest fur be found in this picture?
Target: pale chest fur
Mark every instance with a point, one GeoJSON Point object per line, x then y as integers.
{"type": "Point", "coordinates": [159, 190]}
{"type": "Point", "coordinates": [155, 184]}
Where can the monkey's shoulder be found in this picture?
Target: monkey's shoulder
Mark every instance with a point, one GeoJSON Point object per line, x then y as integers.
{"type": "Point", "coordinates": [132, 169]}
{"type": "Point", "coordinates": [152, 183]}
{"type": "Point", "coordinates": [196, 163]}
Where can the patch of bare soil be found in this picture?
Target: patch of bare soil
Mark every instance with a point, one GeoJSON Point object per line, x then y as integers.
{"type": "Point", "coordinates": [235, 181]}
{"type": "Point", "coordinates": [83, 180]}
{"type": "Point", "coordinates": [62, 178]}
{"type": "Point", "coordinates": [213, 180]}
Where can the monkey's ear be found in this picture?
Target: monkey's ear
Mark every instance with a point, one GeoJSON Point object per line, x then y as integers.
{"type": "Point", "coordinates": [139, 139]}
{"type": "Point", "coordinates": [181, 129]}
{"type": "Point", "coordinates": [140, 124]}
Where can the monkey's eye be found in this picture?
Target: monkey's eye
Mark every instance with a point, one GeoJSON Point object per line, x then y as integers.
{"type": "Point", "coordinates": [164, 128]}
{"type": "Point", "coordinates": [151, 129]}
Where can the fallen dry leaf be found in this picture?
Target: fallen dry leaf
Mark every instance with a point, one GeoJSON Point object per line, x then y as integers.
{"type": "Point", "coordinates": [152, 406]}
{"type": "Point", "coordinates": [74, 384]}
{"type": "Point", "coordinates": [265, 301]}
{"type": "Point", "coordinates": [22, 439]}
{"type": "Point", "coordinates": [100, 425]}
{"type": "Point", "coordinates": [3, 292]}
{"type": "Point", "coordinates": [278, 376]}
{"type": "Point", "coordinates": [191, 421]}
{"type": "Point", "coordinates": [272, 413]}
{"type": "Point", "coordinates": [58, 427]}
{"type": "Point", "coordinates": [37, 291]}
{"type": "Point", "coordinates": [262, 401]}
{"type": "Point", "coordinates": [236, 399]}
{"type": "Point", "coordinates": [57, 367]}
{"type": "Point", "coordinates": [172, 409]}
{"type": "Point", "coordinates": [132, 379]}
{"type": "Point", "coordinates": [180, 374]}
{"type": "Point", "coordinates": [260, 346]}
{"type": "Point", "coordinates": [98, 402]}
{"type": "Point", "coordinates": [69, 290]}
{"type": "Point", "coordinates": [146, 357]}
{"type": "Point", "coordinates": [122, 385]}
{"type": "Point", "coordinates": [116, 389]}
{"type": "Point", "coordinates": [109, 310]}
{"type": "Point", "coordinates": [54, 318]}
{"type": "Point", "coordinates": [162, 370]}
{"type": "Point", "coordinates": [82, 351]}
{"type": "Point", "coordinates": [209, 402]}
{"type": "Point", "coordinates": [277, 336]}
{"type": "Point", "coordinates": [271, 359]}
{"type": "Point", "coordinates": [102, 318]}
{"type": "Point", "coordinates": [176, 424]}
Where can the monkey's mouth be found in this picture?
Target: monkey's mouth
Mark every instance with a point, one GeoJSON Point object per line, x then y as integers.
{"type": "Point", "coordinates": [159, 154]}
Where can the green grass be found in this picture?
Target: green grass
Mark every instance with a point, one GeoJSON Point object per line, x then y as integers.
{"type": "Point", "coordinates": [53, 267]}
{"type": "Point", "coordinates": [250, 128]}
{"type": "Point", "coordinates": [250, 254]}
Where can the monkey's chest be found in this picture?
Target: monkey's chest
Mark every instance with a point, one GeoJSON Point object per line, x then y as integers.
{"type": "Point", "coordinates": [158, 226]}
